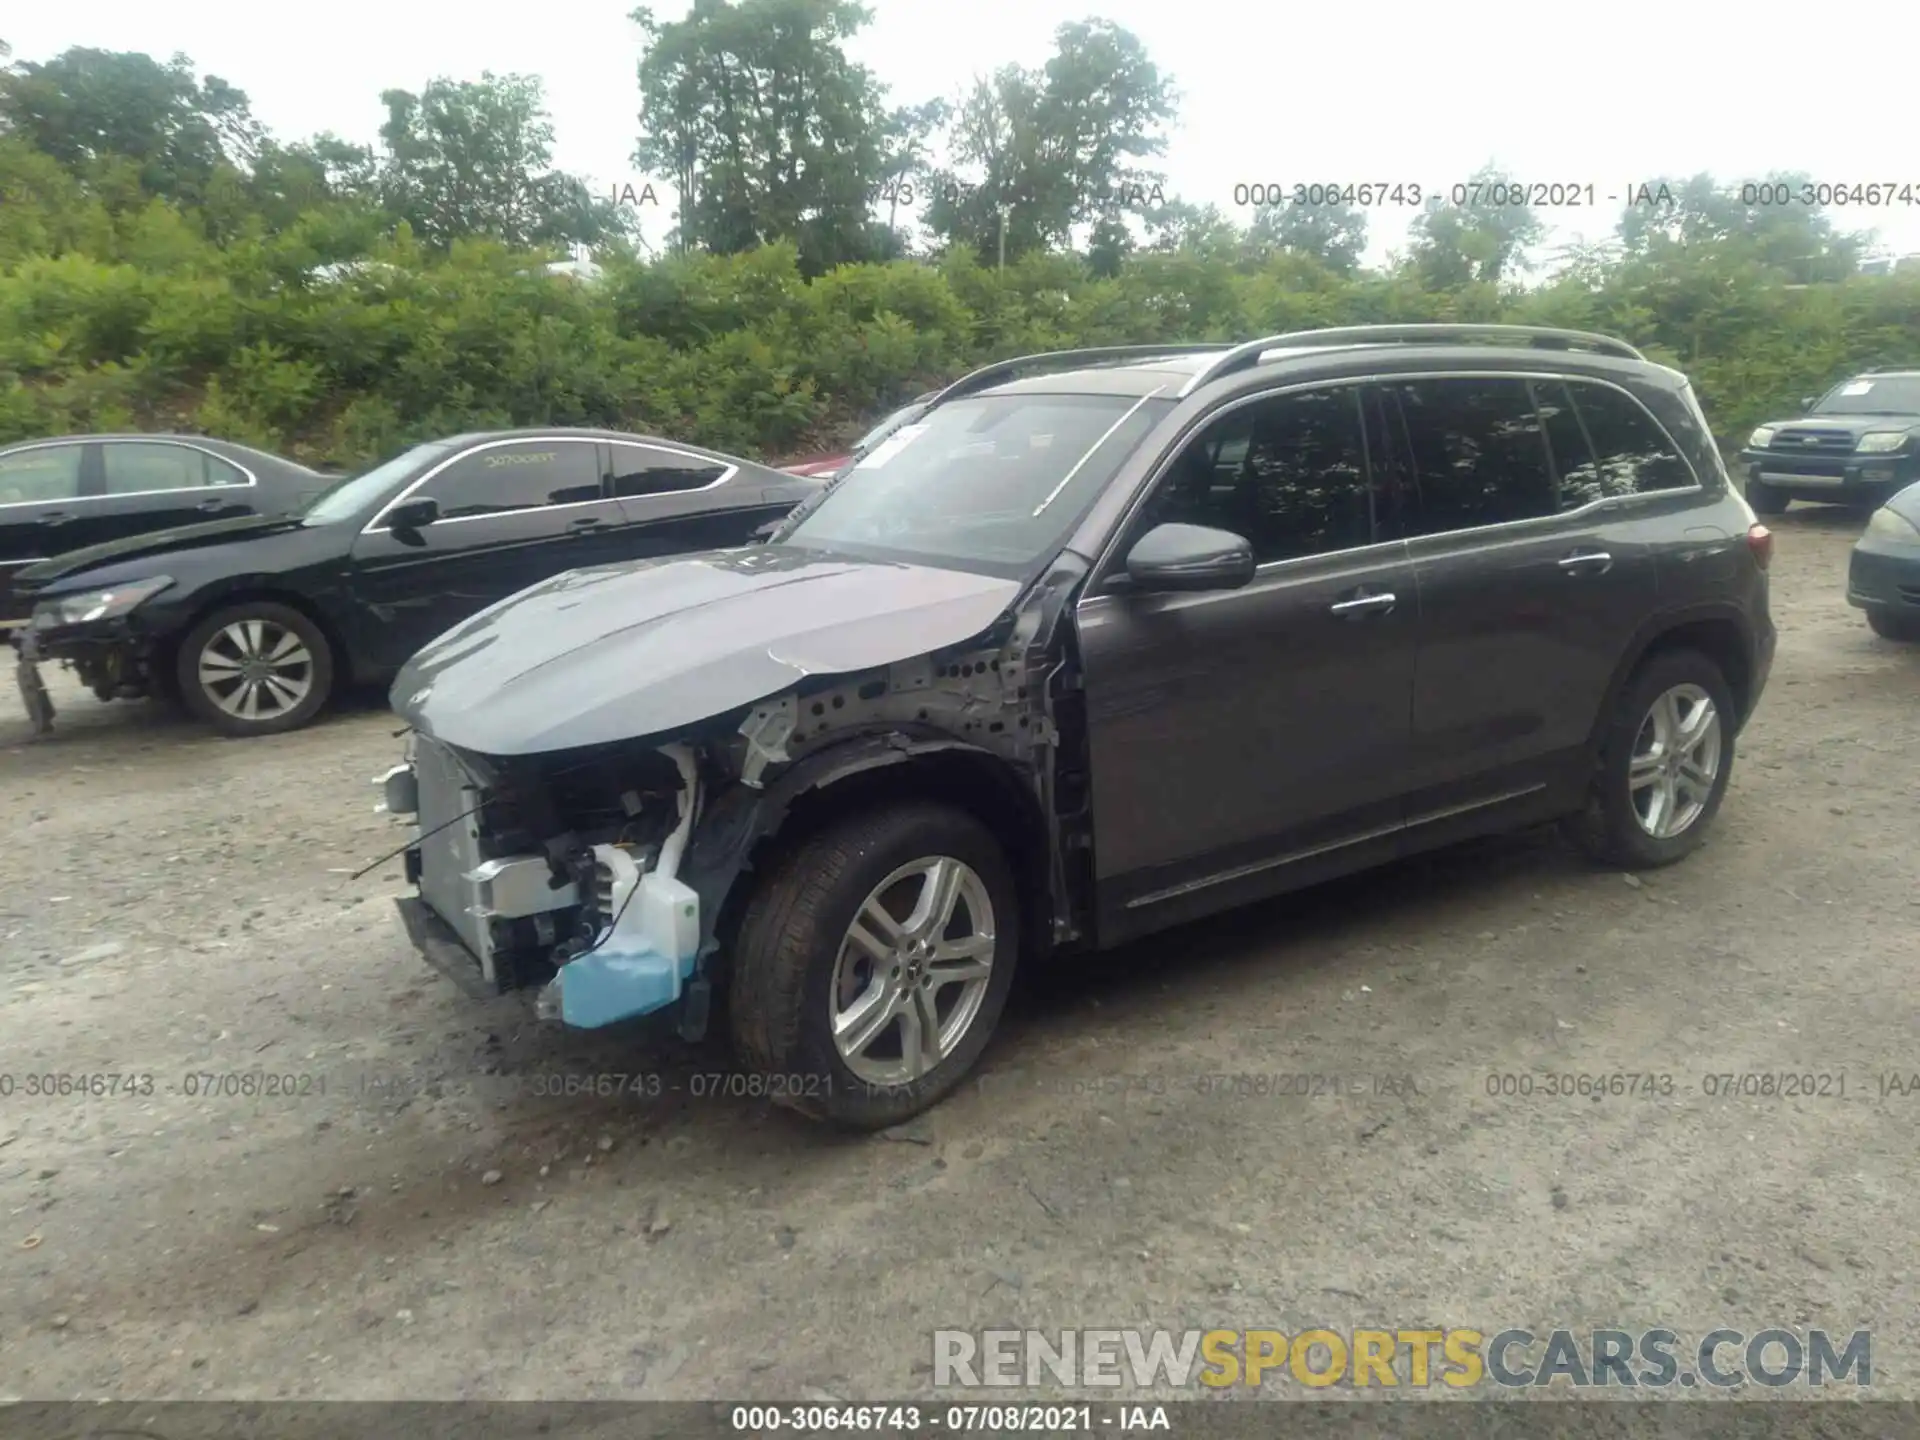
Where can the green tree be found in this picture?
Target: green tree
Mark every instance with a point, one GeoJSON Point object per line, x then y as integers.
{"type": "Point", "coordinates": [1056, 148]}
{"type": "Point", "coordinates": [1335, 235]}
{"type": "Point", "coordinates": [1201, 230]}
{"type": "Point", "coordinates": [1483, 241]}
{"type": "Point", "coordinates": [767, 129]}
{"type": "Point", "coordinates": [469, 158]}
{"type": "Point", "coordinates": [1797, 239]}
{"type": "Point", "coordinates": [87, 108]}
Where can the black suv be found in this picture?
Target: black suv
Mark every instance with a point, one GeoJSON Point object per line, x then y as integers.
{"type": "Point", "coordinates": [1078, 655]}
{"type": "Point", "coordinates": [1857, 445]}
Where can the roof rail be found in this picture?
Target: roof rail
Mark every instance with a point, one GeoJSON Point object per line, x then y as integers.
{"type": "Point", "coordinates": [1245, 357]}
{"type": "Point", "coordinates": [990, 375]}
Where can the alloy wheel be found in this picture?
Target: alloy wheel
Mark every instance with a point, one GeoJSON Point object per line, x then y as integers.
{"type": "Point", "coordinates": [1676, 760]}
{"type": "Point", "coordinates": [912, 971]}
{"type": "Point", "coordinates": [256, 670]}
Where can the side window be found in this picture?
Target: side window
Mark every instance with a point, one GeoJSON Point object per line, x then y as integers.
{"type": "Point", "coordinates": [1567, 439]}
{"type": "Point", "coordinates": [134, 467]}
{"type": "Point", "coordinates": [47, 472]}
{"type": "Point", "coordinates": [641, 470]}
{"type": "Point", "coordinates": [1289, 473]}
{"type": "Point", "coordinates": [1479, 453]}
{"type": "Point", "coordinates": [220, 473]}
{"type": "Point", "coordinates": [1635, 456]}
{"type": "Point", "coordinates": [526, 475]}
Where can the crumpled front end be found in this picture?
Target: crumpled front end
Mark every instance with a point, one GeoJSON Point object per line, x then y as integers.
{"type": "Point", "coordinates": [560, 874]}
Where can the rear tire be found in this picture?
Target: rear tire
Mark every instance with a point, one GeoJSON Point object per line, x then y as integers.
{"type": "Point", "coordinates": [797, 970]}
{"type": "Point", "coordinates": [255, 668]}
{"type": "Point", "coordinates": [1766, 500]}
{"type": "Point", "coordinates": [1660, 748]}
{"type": "Point", "coordinates": [1892, 625]}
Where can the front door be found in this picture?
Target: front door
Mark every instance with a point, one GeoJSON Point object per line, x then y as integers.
{"type": "Point", "coordinates": [1248, 741]}
{"type": "Point", "coordinates": [512, 513]}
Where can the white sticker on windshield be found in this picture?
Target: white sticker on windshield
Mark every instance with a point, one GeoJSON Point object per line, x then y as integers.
{"type": "Point", "coordinates": [890, 447]}
{"type": "Point", "coordinates": [1857, 387]}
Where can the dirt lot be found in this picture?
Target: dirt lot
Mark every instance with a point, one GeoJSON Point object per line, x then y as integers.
{"type": "Point", "coordinates": [174, 905]}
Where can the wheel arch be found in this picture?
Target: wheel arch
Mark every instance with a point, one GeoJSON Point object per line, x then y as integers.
{"type": "Point", "coordinates": [264, 590]}
{"type": "Point", "coordinates": [1720, 632]}
{"type": "Point", "coordinates": [747, 830]}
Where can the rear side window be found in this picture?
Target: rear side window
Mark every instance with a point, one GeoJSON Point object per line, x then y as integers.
{"type": "Point", "coordinates": [526, 475]}
{"type": "Point", "coordinates": [1478, 452]}
{"type": "Point", "coordinates": [137, 467]}
{"type": "Point", "coordinates": [1632, 454]}
{"type": "Point", "coordinates": [46, 472]}
{"type": "Point", "coordinates": [639, 471]}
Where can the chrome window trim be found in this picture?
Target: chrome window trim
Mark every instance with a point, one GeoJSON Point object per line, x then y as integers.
{"type": "Point", "coordinates": [1101, 571]}
{"type": "Point", "coordinates": [252, 480]}
{"type": "Point", "coordinates": [374, 527]}
{"type": "Point", "coordinates": [728, 472]}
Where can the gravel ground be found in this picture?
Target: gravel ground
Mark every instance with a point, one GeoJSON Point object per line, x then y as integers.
{"type": "Point", "coordinates": [418, 1220]}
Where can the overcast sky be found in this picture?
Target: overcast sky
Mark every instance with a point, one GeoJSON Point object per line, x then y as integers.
{"type": "Point", "coordinates": [1382, 91]}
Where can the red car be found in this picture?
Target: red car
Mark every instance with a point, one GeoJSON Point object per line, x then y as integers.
{"type": "Point", "coordinates": [825, 467]}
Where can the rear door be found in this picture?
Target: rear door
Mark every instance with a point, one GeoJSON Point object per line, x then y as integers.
{"type": "Point", "coordinates": [148, 485]}
{"type": "Point", "coordinates": [512, 513]}
{"type": "Point", "coordinates": [40, 490]}
{"type": "Point", "coordinates": [675, 501]}
{"type": "Point", "coordinates": [1530, 583]}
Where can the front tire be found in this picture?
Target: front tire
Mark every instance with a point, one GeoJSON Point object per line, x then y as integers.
{"type": "Point", "coordinates": [1766, 500]}
{"type": "Point", "coordinates": [255, 668]}
{"type": "Point", "coordinates": [1890, 625]}
{"type": "Point", "coordinates": [873, 963]}
{"type": "Point", "coordinates": [1664, 765]}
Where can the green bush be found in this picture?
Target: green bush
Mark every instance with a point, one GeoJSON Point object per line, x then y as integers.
{"type": "Point", "coordinates": [119, 312]}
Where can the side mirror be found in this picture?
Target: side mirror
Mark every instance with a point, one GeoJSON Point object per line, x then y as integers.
{"type": "Point", "coordinates": [1189, 557]}
{"type": "Point", "coordinates": [1806, 401]}
{"type": "Point", "coordinates": [413, 515]}
{"type": "Point", "coordinates": [764, 533]}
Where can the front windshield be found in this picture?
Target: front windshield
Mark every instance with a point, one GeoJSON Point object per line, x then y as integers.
{"type": "Point", "coordinates": [1873, 395]}
{"type": "Point", "coordinates": [992, 483]}
{"type": "Point", "coordinates": [887, 426]}
{"type": "Point", "coordinates": [359, 493]}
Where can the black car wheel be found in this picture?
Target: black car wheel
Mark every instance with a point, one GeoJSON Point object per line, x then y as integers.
{"type": "Point", "coordinates": [1663, 766]}
{"type": "Point", "coordinates": [255, 668]}
{"type": "Point", "coordinates": [1892, 625]}
{"type": "Point", "coordinates": [1766, 500]}
{"type": "Point", "coordinates": [872, 964]}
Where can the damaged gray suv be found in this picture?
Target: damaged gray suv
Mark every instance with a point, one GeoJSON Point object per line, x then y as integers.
{"type": "Point", "coordinates": [1103, 642]}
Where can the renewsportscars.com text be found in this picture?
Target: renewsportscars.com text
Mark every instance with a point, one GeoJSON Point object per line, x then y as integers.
{"type": "Point", "coordinates": [1401, 1358]}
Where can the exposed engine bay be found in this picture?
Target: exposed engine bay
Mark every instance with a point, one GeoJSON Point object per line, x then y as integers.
{"type": "Point", "coordinates": [597, 874]}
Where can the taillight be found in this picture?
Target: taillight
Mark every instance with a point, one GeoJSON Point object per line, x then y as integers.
{"type": "Point", "coordinates": [1760, 542]}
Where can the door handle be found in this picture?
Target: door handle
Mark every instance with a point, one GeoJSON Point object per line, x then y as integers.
{"type": "Point", "coordinates": [1364, 605]}
{"type": "Point", "coordinates": [55, 517]}
{"type": "Point", "coordinates": [584, 523]}
{"type": "Point", "coordinates": [209, 506]}
{"type": "Point", "coordinates": [1598, 561]}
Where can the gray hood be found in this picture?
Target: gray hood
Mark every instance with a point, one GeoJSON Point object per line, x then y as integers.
{"type": "Point", "coordinates": [627, 651]}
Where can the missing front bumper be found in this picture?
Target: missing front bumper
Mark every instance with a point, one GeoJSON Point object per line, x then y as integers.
{"type": "Point", "coordinates": [33, 689]}
{"type": "Point", "coordinates": [442, 949]}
